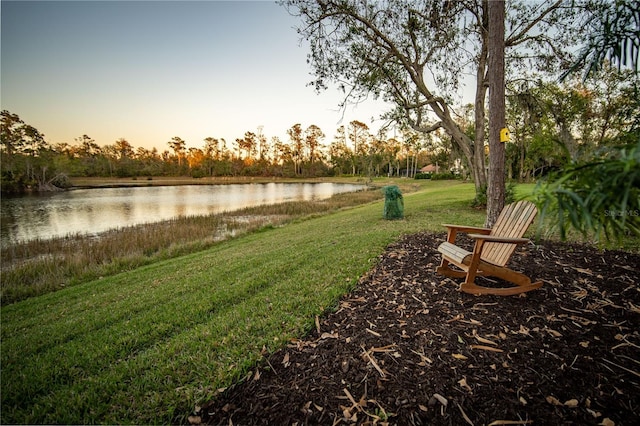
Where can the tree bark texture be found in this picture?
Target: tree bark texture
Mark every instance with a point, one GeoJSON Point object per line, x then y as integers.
{"type": "Point", "coordinates": [496, 184]}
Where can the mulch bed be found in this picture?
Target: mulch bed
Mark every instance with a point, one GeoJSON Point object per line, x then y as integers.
{"type": "Point", "coordinates": [406, 347]}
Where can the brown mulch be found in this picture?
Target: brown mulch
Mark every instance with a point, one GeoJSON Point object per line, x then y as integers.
{"type": "Point", "coordinates": [406, 347]}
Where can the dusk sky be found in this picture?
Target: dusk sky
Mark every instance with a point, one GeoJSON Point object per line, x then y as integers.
{"type": "Point", "coordinates": [147, 71]}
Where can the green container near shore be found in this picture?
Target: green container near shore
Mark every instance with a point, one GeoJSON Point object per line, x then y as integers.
{"type": "Point", "coordinates": [393, 203]}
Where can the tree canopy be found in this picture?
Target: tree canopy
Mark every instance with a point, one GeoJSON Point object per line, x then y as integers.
{"type": "Point", "coordinates": [416, 55]}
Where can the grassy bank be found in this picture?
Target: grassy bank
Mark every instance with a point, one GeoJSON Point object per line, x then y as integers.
{"type": "Point", "coordinates": [147, 345]}
{"type": "Point", "coordinates": [37, 267]}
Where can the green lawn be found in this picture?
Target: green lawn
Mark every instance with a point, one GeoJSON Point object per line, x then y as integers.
{"type": "Point", "coordinates": [146, 346]}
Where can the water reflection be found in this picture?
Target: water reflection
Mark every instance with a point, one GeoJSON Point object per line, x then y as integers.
{"type": "Point", "coordinates": [90, 211]}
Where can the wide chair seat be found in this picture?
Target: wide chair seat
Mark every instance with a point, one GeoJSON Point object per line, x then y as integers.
{"type": "Point", "coordinates": [492, 250]}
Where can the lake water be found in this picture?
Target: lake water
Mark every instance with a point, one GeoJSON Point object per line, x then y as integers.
{"type": "Point", "coordinates": [90, 211]}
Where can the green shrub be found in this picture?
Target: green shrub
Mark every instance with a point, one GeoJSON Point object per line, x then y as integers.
{"type": "Point", "coordinates": [443, 176]}
{"type": "Point", "coordinates": [198, 173]}
{"type": "Point", "coordinates": [62, 181]}
{"type": "Point", "coordinates": [509, 196]}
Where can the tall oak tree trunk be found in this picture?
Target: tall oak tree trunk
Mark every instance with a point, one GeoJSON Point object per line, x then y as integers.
{"type": "Point", "coordinates": [496, 185]}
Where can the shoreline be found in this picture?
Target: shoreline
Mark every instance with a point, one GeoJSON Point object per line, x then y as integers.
{"type": "Point", "coordinates": [102, 182]}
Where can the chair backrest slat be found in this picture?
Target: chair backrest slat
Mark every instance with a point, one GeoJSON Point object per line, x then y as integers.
{"type": "Point", "coordinates": [513, 222]}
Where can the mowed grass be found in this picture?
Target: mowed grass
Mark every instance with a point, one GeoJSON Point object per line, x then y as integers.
{"type": "Point", "coordinates": [147, 345]}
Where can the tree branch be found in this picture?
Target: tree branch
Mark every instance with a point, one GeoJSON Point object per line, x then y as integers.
{"type": "Point", "coordinates": [515, 39]}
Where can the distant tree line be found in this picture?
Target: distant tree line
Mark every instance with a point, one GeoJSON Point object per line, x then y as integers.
{"type": "Point", "coordinates": [552, 125]}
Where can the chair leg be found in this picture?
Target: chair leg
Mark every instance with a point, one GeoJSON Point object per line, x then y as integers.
{"type": "Point", "coordinates": [474, 263]}
{"type": "Point", "coordinates": [470, 277]}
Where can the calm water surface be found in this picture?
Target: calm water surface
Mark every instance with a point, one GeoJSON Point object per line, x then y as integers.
{"type": "Point", "coordinates": [90, 211]}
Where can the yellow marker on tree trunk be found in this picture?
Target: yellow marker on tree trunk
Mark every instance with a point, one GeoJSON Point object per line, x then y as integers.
{"type": "Point", "coordinates": [504, 135]}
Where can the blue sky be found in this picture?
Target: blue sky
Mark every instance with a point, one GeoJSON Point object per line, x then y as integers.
{"type": "Point", "coordinates": [147, 71]}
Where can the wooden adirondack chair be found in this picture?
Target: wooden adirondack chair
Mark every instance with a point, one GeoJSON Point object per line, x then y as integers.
{"type": "Point", "coordinates": [492, 250]}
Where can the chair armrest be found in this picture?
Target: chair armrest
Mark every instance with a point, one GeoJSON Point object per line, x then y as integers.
{"type": "Point", "coordinates": [498, 239]}
{"type": "Point", "coordinates": [463, 228]}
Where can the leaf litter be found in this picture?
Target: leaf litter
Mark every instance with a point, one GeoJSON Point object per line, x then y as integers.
{"type": "Point", "coordinates": [407, 348]}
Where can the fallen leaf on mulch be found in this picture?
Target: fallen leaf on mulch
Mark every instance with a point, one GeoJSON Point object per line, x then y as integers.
{"type": "Point", "coordinates": [570, 350]}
